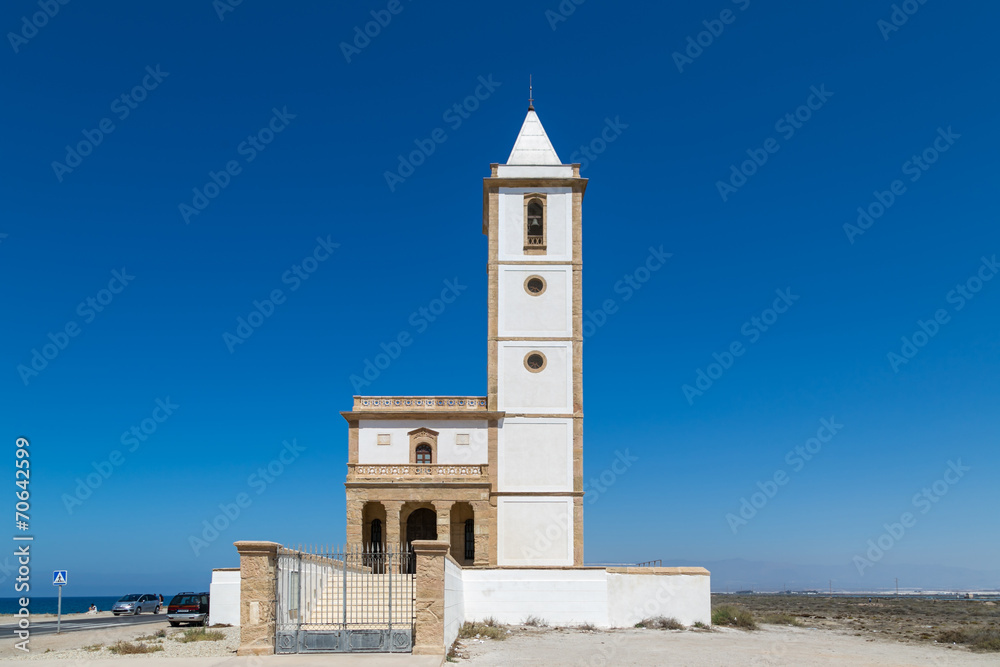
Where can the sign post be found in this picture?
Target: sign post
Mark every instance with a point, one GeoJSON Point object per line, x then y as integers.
{"type": "Point", "coordinates": [59, 578]}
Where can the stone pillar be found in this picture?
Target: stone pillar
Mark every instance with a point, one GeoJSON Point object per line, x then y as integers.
{"type": "Point", "coordinates": [482, 527]}
{"type": "Point", "coordinates": [429, 605]}
{"type": "Point", "coordinates": [355, 521]}
{"type": "Point", "coordinates": [494, 532]}
{"type": "Point", "coordinates": [392, 510]}
{"type": "Point", "coordinates": [490, 519]}
{"type": "Point", "coordinates": [578, 531]}
{"type": "Point", "coordinates": [258, 574]}
{"type": "Point", "coordinates": [443, 510]}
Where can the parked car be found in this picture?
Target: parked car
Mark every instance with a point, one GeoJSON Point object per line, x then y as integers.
{"type": "Point", "coordinates": [188, 608]}
{"type": "Point", "coordinates": [136, 603]}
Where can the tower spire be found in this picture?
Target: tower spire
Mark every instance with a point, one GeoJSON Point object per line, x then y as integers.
{"type": "Point", "coordinates": [531, 100]}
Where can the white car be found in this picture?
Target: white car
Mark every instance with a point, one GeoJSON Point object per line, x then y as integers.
{"type": "Point", "coordinates": [136, 603]}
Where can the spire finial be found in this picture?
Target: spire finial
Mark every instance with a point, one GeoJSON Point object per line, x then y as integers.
{"type": "Point", "coordinates": [531, 100]}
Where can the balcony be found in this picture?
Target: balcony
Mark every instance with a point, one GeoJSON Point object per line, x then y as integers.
{"type": "Point", "coordinates": [411, 473]}
{"type": "Point", "coordinates": [419, 403]}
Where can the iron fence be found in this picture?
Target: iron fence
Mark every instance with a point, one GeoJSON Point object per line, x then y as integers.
{"type": "Point", "coordinates": [351, 599]}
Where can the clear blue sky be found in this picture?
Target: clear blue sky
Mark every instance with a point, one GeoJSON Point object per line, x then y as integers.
{"type": "Point", "coordinates": [213, 83]}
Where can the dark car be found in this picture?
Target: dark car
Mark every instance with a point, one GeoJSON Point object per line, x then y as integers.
{"type": "Point", "coordinates": [188, 608]}
{"type": "Point", "coordinates": [136, 603]}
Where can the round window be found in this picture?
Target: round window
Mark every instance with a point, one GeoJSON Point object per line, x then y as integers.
{"type": "Point", "coordinates": [534, 285]}
{"type": "Point", "coordinates": [534, 361]}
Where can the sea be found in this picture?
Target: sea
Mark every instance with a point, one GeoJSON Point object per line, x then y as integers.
{"type": "Point", "coordinates": [70, 605]}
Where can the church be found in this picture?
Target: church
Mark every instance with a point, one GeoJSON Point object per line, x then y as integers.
{"type": "Point", "coordinates": [499, 476]}
{"type": "Point", "coordinates": [470, 507]}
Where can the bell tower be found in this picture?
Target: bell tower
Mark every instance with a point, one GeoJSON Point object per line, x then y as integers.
{"type": "Point", "coordinates": [532, 214]}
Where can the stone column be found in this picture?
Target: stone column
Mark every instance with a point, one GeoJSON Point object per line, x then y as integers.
{"type": "Point", "coordinates": [392, 509]}
{"type": "Point", "coordinates": [490, 518]}
{"type": "Point", "coordinates": [443, 510]}
{"type": "Point", "coordinates": [494, 532]}
{"type": "Point", "coordinates": [429, 605]}
{"type": "Point", "coordinates": [482, 527]}
{"type": "Point", "coordinates": [258, 573]}
{"type": "Point", "coordinates": [355, 520]}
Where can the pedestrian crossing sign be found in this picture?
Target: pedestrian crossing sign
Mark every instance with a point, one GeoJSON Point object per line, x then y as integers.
{"type": "Point", "coordinates": [59, 577]}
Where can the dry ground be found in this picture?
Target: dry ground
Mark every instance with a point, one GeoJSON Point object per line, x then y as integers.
{"type": "Point", "coordinates": [725, 647]}
{"type": "Point", "coordinates": [90, 645]}
{"type": "Point", "coordinates": [833, 631]}
{"type": "Point", "coordinates": [908, 619]}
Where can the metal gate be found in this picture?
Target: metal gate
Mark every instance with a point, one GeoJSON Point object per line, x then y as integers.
{"type": "Point", "coordinates": [346, 600]}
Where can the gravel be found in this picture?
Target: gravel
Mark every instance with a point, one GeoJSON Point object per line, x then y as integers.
{"type": "Point", "coordinates": [171, 648]}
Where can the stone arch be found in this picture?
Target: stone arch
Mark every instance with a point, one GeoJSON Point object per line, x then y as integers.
{"type": "Point", "coordinates": [461, 514]}
{"type": "Point", "coordinates": [371, 513]}
{"type": "Point", "coordinates": [421, 524]}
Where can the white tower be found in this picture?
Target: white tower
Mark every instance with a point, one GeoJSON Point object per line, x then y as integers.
{"type": "Point", "coordinates": [532, 216]}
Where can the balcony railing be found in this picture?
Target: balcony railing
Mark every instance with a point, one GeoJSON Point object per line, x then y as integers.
{"type": "Point", "coordinates": [419, 403]}
{"type": "Point", "coordinates": [417, 472]}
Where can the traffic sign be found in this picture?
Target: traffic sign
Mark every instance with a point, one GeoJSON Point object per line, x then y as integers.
{"type": "Point", "coordinates": [59, 577]}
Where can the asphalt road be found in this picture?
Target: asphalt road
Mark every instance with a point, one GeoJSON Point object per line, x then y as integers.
{"type": "Point", "coordinates": [100, 623]}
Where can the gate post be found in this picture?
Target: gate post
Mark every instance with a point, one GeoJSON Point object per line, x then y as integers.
{"type": "Point", "coordinates": [258, 575]}
{"type": "Point", "coordinates": [429, 606]}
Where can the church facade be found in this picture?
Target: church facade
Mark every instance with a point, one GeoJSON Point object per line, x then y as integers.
{"type": "Point", "coordinates": [499, 476]}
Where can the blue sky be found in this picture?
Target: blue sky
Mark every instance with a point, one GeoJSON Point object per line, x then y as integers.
{"type": "Point", "coordinates": [865, 98]}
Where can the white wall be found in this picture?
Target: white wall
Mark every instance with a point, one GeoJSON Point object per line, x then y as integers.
{"type": "Point", "coordinates": [535, 171]}
{"type": "Point", "coordinates": [534, 530]}
{"type": "Point", "coordinates": [633, 597]}
{"type": "Point", "coordinates": [578, 596]}
{"type": "Point", "coordinates": [526, 315]}
{"type": "Point", "coordinates": [225, 596]}
{"type": "Point", "coordinates": [535, 455]}
{"type": "Point", "coordinates": [558, 218]}
{"type": "Point", "coordinates": [454, 601]}
{"type": "Point", "coordinates": [549, 391]}
{"type": "Point", "coordinates": [559, 597]}
{"type": "Point", "coordinates": [447, 452]}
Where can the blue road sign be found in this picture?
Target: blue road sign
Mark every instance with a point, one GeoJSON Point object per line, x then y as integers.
{"type": "Point", "coordinates": [59, 577]}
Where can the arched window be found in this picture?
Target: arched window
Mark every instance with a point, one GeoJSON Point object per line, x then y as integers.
{"type": "Point", "coordinates": [376, 540]}
{"type": "Point", "coordinates": [424, 453]}
{"type": "Point", "coordinates": [470, 540]}
{"type": "Point", "coordinates": [536, 223]}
